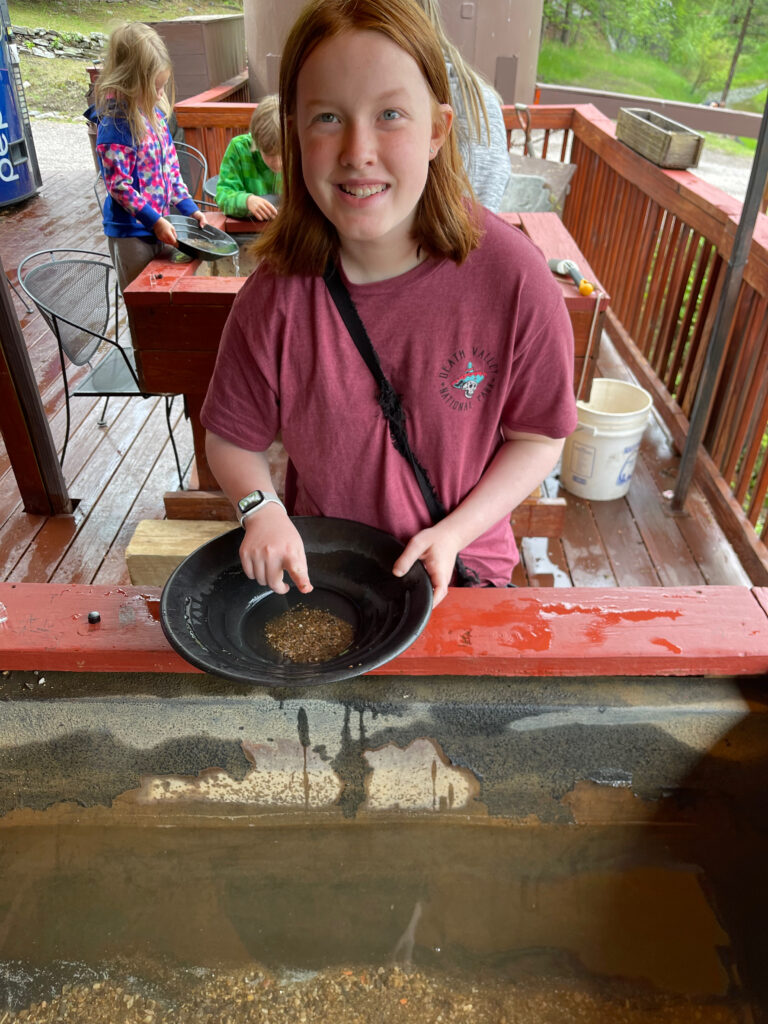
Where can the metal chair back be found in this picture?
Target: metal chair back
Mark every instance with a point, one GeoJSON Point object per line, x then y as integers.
{"type": "Point", "coordinates": [77, 294]}
{"type": "Point", "coordinates": [100, 191]}
{"type": "Point", "coordinates": [193, 167]}
{"type": "Point", "coordinates": [209, 189]}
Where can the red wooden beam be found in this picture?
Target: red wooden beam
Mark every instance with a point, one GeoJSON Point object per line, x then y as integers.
{"type": "Point", "coordinates": [23, 424]}
{"type": "Point", "coordinates": [680, 631]}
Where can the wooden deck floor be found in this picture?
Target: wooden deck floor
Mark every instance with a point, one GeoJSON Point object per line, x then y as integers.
{"type": "Point", "coordinates": [120, 473]}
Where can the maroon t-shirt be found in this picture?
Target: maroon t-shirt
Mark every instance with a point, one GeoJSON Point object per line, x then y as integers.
{"type": "Point", "coordinates": [466, 347]}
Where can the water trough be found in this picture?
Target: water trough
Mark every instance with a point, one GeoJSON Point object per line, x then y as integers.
{"type": "Point", "coordinates": [548, 803]}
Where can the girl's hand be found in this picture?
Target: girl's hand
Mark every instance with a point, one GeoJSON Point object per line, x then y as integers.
{"type": "Point", "coordinates": [165, 231]}
{"type": "Point", "coordinates": [437, 549]}
{"type": "Point", "coordinates": [272, 546]}
{"type": "Point", "coordinates": [200, 218]}
{"type": "Point", "coordinates": [260, 208]}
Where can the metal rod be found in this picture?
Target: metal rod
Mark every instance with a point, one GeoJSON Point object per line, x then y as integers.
{"type": "Point", "coordinates": [724, 316]}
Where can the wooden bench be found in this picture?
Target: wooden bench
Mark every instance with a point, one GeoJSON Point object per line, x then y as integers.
{"type": "Point", "coordinates": [587, 312]}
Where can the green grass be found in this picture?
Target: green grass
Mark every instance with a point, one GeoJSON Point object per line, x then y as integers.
{"type": "Point", "coordinates": [755, 105]}
{"type": "Point", "coordinates": [730, 144]}
{"type": "Point", "coordinates": [55, 85]}
{"type": "Point", "coordinates": [86, 16]}
{"type": "Point", "coordinates": [592, 65]}
{"type": "Point", "coordinates": [61, 85]}
{"type": "Point", "coordinates": [595, 67]}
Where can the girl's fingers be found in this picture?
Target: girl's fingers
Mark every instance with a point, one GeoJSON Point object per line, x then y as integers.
{"type": "Point", "coordinates": [300, 577]}
{"type": "Point", "coordinates": [272, 573]}
{"type": "Point", "coordinates": [276, 581]}
{"type": "Point", "coordinates": [248, 567]}
{"type": "Point", "coordinates": [411, 552]}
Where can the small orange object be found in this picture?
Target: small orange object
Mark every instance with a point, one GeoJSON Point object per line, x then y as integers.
{"type": "Point", "coordinates": [403, 1001]}
{"type": "Point", "coordinates": [569, 267]}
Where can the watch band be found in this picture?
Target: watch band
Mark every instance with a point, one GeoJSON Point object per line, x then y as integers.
{"type": "Point", "coordinates": [254, 501]}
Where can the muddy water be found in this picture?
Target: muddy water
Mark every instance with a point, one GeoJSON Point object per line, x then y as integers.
{"type": "Point", "coordinates": [231, 266]}
{"type": "Point", "coordinates": [623, 922]}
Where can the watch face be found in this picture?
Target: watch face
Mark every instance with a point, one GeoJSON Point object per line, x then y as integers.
{"type": "Point", "coordinates": [250, 501]}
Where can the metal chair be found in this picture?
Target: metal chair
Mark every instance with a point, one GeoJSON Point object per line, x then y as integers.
{"type": "Point", "coordinates": [100, 191]}
{"type": "Point", "coordinates": [76, 293]}
{"type": "Point", "coordinates": [209, 188]}
{"type": "Point", "coordinates": [194, 172]}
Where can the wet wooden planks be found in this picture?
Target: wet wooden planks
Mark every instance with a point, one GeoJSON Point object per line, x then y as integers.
{"type": "Point", "coordinates": [120, 480]}
{"type": "Point", "coordinates": [64, 214]}
{"type": "Point", "coordinates": [633, 541]}
{"type": "Point", "coordinates": [117, 474]}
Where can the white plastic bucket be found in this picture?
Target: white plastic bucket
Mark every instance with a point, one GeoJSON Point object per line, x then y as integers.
{"type": "Point", "coordinates": [600, 455]}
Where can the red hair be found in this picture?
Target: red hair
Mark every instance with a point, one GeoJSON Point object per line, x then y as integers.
{"type": "Point", "coordinates": [301, 239]}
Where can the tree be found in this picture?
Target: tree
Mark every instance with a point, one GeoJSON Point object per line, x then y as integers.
{"type": "Point", "coordinates": [649, 25]}
{"type": "Point", "coordinates": [749, 13]}
{"type": "Point", "coordinates": [557, 21]}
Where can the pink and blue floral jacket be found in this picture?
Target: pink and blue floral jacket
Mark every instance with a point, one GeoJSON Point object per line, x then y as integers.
{"type": "Point", "coordinates": [143, 181]}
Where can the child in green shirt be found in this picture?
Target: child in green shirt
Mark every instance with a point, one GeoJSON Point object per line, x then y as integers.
{"type": "Point", "coordinates": [252, 166]}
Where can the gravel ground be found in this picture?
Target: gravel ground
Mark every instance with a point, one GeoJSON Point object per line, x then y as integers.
{"type": "Point", "coordinates": [368, 995]}
{"type": "Point", "coordinates": [64, 143]}
{"type": "Point", "coordinates": [61, 145]}
{"type": "Point", "coordinates": [730, 173]}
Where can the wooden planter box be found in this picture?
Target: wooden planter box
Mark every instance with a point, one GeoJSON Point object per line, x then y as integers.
{"type": "Point", "coordinates": [660, 140]}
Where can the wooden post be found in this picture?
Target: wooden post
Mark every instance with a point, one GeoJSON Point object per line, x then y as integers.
{"type": "Point", "coordinates": [23, 423]}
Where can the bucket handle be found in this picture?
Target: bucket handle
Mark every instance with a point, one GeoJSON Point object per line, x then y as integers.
{"type": "Point", "coordinates": [593, 431]}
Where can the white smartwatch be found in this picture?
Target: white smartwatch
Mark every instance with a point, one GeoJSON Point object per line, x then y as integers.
{"type": "Point", "coordinates": [254, 501]}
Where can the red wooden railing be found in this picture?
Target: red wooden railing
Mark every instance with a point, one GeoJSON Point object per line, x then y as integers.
{"type": "Point", "coordinates": [660, 242]}
{"type": "Point", "coordinates": [212, 118]}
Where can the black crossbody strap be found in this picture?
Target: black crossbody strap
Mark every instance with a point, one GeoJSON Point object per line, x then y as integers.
{"type": "Point", "coordinates": [389, 400]}
{"type": "Point", "coordinates": [390, 404]}
{"type": "Point", "coordinates": [353, 323]}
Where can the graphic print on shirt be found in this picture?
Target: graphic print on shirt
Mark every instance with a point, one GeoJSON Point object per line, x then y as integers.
{"type": "Point", "coordinates": [467, 377]}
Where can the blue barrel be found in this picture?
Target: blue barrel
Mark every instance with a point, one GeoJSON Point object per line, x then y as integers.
{"type": "Point", "coordinates": [19, 171]}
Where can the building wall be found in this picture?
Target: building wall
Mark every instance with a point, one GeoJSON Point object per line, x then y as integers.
{"type": "Point", "coordinates": [499, 37]}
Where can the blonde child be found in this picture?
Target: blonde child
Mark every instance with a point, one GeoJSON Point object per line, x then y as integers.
{"type": "Point", "coordinates": [136, 152]}
{"type": "Point", "coordinates": [250, 170]}
{"type": "Point", "coordinates": [467, 320]}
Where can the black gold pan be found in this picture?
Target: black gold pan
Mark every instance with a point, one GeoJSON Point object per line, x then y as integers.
{"type": "Point", "coordinates": [216, 617]}
{"type": "Point", "coordinates": [201, 243]}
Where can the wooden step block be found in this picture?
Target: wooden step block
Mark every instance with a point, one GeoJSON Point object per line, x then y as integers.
{"type": "Point", "coordinates": [159, 545]}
